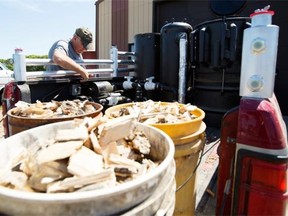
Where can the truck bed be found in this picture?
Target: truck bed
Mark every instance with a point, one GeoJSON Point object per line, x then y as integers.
{"type": "Point", "coordinates": [206, 180]}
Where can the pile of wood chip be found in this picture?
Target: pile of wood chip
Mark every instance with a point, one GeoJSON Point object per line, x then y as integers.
{"type": "Point", "coordinates": [53, 109]}
{"type": "Point", "coordinates": [150, 112]}
{"type": "Point", "coordinates": [97, 153]}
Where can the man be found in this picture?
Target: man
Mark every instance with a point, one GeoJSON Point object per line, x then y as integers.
{"type": "Point", "coordinates": [63, 52]}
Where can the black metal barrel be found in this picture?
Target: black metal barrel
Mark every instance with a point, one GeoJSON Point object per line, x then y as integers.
{"type": "Point", "coordinates": [147, 48]}
{"type": "Point", "coordinates": [169, 57]}
{"type": "Point", "coordinates": [216, 48]}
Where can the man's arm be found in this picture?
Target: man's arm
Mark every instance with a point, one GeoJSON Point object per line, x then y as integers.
{"type": "Point", "coordinates": [67, 63]}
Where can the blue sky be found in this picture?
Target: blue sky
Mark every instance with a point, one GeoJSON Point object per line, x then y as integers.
{"type": "Point", "coordinates": [34, 25]}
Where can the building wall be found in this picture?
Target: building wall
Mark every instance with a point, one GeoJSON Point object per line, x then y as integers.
{"type": "Point", "coordinates": [117, 21]}
{"type": "Point", "coordinates": [120, 24]}
{"type": "Point", "coordinates": [103, 28]}
{"type": "Point", "coordinates": [140, 18]}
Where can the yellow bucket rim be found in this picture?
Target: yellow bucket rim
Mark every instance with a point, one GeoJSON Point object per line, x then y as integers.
{"type": "Point", "coordinates": [191, 137]}
{"type": "Point", "coordinates": [190, 148]}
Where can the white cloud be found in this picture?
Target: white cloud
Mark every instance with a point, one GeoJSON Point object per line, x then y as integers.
{"type": "Point", "coordinates": [30, 5]}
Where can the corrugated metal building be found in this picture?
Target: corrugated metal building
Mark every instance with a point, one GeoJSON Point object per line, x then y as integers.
{"type": "Point", "coordinates": [117, 21]}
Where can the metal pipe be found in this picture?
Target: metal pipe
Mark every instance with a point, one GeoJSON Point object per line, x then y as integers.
{"type": "Point", "coordinates": [19, 66]}
{"type": "Point", "coordinates": [126, 62]}
{"type": "Point", "coordinates": [182, 67]}
{"type": "Point", "coordinates": [61, 73]}
{"type": "Point", "coordinates": [126, 70]}
{"type": "Point", "coordinates": [126, 53]}
{"type": "Point", "coordinates": [114, 57]}
{"type": "Point", "coordinates": [31, 62]}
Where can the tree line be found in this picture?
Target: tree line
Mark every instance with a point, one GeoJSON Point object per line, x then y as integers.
{"type": "Point", "coordinates": [9, 63]}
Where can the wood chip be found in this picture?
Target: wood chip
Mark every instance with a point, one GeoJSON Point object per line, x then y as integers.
{"type": "Point", "coordinates": [95, 144]}
{"type": "Point", "coordinates": [79, 133]}
{"type": "Point", "coordinates": [96, 153]}
{"type": "Point", "coordinates": [94, 122]}
{"type": "Point", "coordinates": [116, 129]}
{"type": "Point", "coordinates": [70, 184]}
{"type": "Point", "coordinates": [58, 151]}
{"type": "Point", "coordinates": [85, 162]}
{"type": "Point", "coordinates": [122, 162]}
{"type": "Point", "coordinates": [18, 179]}
{"type": "Point", "coordinates": [141, 143]}
{"type": "Point", "coordinates": [109, 149]}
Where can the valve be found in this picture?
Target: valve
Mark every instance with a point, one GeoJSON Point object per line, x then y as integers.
{"type": "Point", "coordinates": [128, 84]}
{"type": "Point", "coordinates": [112, 99]}
{"type": "Point", "coordinates": [149, 85]}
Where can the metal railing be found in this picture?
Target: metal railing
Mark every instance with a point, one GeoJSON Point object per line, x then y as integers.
{"type": "Point", "coordinates": [21, 62]}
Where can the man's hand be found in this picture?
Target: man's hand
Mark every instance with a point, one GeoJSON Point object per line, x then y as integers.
{"type": "Point", "coordinates": [67, 63]}
{"type": "Point", "coordinates": [85, 76]}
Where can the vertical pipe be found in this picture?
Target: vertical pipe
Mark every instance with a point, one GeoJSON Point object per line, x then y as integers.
{"type": "Point", "coordinates": [114, 58]}
{"type": "Point", "coordinates": [19, 65]}
{"type": "Point", "coordinates": [182, 67]}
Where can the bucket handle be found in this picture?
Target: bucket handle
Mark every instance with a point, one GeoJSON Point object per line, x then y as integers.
{"type": "Point", "coordinates": [196, 167]}
{"type": "Point", "coordinates": [3, 118]}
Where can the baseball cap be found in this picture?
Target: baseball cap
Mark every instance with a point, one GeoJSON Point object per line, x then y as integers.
{"type": "Point", "coordinates": [85, 36]}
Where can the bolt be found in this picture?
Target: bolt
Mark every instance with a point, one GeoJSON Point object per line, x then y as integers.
{"type": "Point", "coordinates": [258, 45]}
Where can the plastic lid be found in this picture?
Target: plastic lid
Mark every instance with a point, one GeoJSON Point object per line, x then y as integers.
{"type": "Point", "coordinates": [262, 12]}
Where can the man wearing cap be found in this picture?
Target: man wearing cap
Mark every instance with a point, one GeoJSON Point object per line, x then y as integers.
{"type": "Point", "coordinates": [64, 52]}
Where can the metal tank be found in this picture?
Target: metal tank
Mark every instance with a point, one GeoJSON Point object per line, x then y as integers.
{"type": "Point", "coordinates": [216, 61]}
{"type": "Point", "coordinates": [171, 34]}
{"type": "Point", "coordinates": [147, 50]}
{"type": "Point", "coordinates": [147, 55]}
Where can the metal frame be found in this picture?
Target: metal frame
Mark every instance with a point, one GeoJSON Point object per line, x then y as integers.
{"type": "Point", "coordinates": [20, 62]}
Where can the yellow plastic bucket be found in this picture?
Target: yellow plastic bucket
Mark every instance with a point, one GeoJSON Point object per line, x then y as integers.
{"type": "Point", "coordinates": [186, 158]}
{"type": "Point", "coordinates": [174, 130]}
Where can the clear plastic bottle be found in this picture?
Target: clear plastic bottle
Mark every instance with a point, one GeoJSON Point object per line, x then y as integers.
{"type": "Point", "coordinates": [259, 56]}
